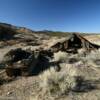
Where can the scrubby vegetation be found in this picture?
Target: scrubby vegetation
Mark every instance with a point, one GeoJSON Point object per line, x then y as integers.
{"type": "Point", "coordinates": [57, 84]}
{"type": "Point", "coordinates": [64, 76]}
{"type": "Point", "coordinates": [75, 71]}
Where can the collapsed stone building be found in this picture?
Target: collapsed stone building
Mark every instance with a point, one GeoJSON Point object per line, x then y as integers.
{"type": "Point", "coordinates": [72, 43]}
{"type": "Point", "coordinates": [19, 62]}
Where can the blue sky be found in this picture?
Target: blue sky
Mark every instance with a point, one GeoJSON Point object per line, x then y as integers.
{"type": "Point", "coordinates": [58, 15]}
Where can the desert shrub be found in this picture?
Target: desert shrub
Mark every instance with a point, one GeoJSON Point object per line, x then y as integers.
{"type": "Point", "coordinates": [72, 78]}
{"type": "Point", "coordinates": [92, 58]}
{"type": "Point", "coordinates": [55, 84]}
{"type": "Point", "coordinates": [60, 56]}
{"type": "Point", "coordinates": [66, 58]}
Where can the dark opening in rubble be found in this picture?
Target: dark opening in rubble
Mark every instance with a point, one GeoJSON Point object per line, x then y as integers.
{"type": "Point", "coordinates": [16, 55]}
{"type": "Point", "coordinates": [74, 42]}
{"type": "Point", "coordinates": [14, 61]}
{"type": "Point", "coordinates": [13, 72]}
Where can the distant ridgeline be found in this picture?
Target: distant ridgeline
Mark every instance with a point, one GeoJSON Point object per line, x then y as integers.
{"type": "Point", "coordinates": [7, 32]}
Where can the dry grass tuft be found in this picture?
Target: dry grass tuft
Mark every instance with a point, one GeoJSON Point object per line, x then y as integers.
{"type": "Point", "coordinates": [60, 56]}
{"type": "Point", "coordinates": [93, 58]}
{"type": "Point", "coordinates": [56, 85]}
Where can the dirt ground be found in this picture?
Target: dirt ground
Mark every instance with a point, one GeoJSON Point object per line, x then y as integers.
{"type": "Point", "coordinates": [27, 88]}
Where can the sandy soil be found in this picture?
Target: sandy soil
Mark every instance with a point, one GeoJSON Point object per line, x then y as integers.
{"type": "Point", "coordinates": [26, 88]}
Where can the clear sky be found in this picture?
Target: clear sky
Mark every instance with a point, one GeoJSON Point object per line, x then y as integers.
{"type": "Point", "coordinates": [58, 15]}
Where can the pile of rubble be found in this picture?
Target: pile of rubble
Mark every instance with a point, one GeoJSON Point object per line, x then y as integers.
{"type": "Point", "coordinates": [19, 62]}
{"type": "Point", "coordinates": [73, 43]}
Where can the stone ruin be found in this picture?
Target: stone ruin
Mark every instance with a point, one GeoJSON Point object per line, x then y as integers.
{"type": "Point", "coordinates": [73, 43]}
{"type": "Point", "coordinates": [20, 62]}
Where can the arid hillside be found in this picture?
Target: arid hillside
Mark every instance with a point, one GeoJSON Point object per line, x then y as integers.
{"type": "Point", "coordinates": [47, 65]}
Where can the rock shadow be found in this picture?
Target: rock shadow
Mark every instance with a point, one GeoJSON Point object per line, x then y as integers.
{"type": "Point", "coordinates": [85, 85]}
